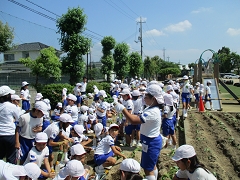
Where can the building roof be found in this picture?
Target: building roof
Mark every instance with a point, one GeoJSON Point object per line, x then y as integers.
{"type": "Point", "coordinates": [34, 46]}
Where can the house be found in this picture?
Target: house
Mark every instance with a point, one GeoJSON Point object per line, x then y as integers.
{"type": "Point", "coordinates": [11, 58]}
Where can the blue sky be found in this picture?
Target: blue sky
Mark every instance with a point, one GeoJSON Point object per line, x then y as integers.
{"type": "Point", "coordinates": [183, 28]}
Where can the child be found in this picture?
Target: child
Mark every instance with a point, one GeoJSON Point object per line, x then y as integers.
{"type": "Point", "coordinates": [39, 97]}
{"type": "Point", "coordinates": [46, 118]}
{"type": "Point", "coordinates": [129, 169]}
{"type": "Point", "coordinates": [196, 94]}
{"type": "Point", "coordinates": [106, 149]}
{"type": "Point", "coordinates": [16, 100]}
{"type": "Point", "coordinates": [101, 110]}
{"type": "Point", "coordinates": [39, 153]}
{"type": "Point", "coordinates": [185, 95]}
{"type": "Point", "coordinates": [57, 111]}
{"type": "Point", "coordinates": [208, 94]}
{"type": "Point", "coordinates": [64, 98]}
{"type": "Point", "coordinates": [189, 166]}
{"type": "Point", "coordinates": [71, 108]}
{"type": "Point", "coordinates": [28, 126]}
{"type": "Point", "coordinates": [25, 96]}
{"type": "Point", "coordinates": [77, 93]}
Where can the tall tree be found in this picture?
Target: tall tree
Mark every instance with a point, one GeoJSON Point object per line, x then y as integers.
{"type": "Point", "coordinates": [226, 60]}
{"type": "Point", "coordinates": [147, 68]}
{"type": "Point", "coordinates": [46, 65]}
{"type": "Point", "coordinates": [135, 64]}
{"type": "Point", "coordinates": [71, 25]}
{"type": "Point", "coordinates": [6, 37]}
{"type": "Point", "coordinates": [120, 55]}
{"type": "Point", "coordinates": [107, 60]}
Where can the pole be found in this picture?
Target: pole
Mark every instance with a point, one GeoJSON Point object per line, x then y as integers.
{"type": "Point", "coordinates": [87, 67]}
{"type": "Point", "coordinates": [141, 35]}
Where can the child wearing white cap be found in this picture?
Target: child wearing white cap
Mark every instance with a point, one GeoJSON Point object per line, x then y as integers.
{"type": "Point", "coordinates": [196, 93]}
{"type": "Point", "coordinates": [39, 97]}
{"type": "Point", "coordinates": [10, 171]}
{"type": "Point", "coordinates": [28, 125]}
{"type": "Point", "coordinates": [208, 94]}
{"type": "Point", "coordinates": [185, 95]}
{"type": "Point", "coordinates": [8, 114]}
{"type": "Point", "coordinates": [16, 101]}
{"type": "Point", "coordinates": [25, 95]}
{"type": "Point", "coordinates": [106, 149]}
{"type": "Point", "coordinates": [39, 154]}
{"type": "Point", "coordinates": [64, 97]}
{"type": "Point", "coordinates": [71, 108]}
{"type": "Point", "coordinates": [101, 110]}
{"type": "Point", "coordinates": [189, 165]}
{"type": "Point", "coordinates": [129, 169]}
{"type": "Point", "coordinates": [57, 111]}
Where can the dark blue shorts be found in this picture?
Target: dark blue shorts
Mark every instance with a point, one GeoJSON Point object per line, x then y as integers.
{"type": "Point", "coordinates": [104, 120]}
{"type": "Point", "coordinates": [101, 158]}
{"type": "Point", "coordinates": [25, 105]}
{"type": "Point", "coordinates": [167, 127]}
{"type": "Point", "coordinates": [208, 96]}
{"type": "Point", "coordinates": [185, 97]}
{"type": "Point", "coordinates": [26, 146]}
{"type": "Point", "coordinates": [151, 148]}
{"type": "Point", "coordinates": [196, 97]}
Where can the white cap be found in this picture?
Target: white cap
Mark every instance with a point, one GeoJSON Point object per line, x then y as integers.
{"type": "Point", "coordinates": [91, 117]}
{"type": "Point", "coordinates": [83, 108]}
{"type": "Point", "coordinates": [79, 129]}
{"type": "Point", "coordinates": [79, 84]}
{"type": "Point", "coordinates": [72, 97]}
{"type": "Point", "coordinates": [161, 85]}
{"type": "Point", "coordinates": [185, 77]}
{"type": "Point", "coordinates": [38, 96]}
{"type": "Point", "coordinates": [59, 104]}
{"type": "Point", "coordinates": [64, 90]}
{"type": "Point", "coordinates": [170, 82]}
{"type": "Point", "coordinates": [102, 93]}
{"type": "Point", "coordinates": [42, 106]}
{"type": "Point", "coordinates": [5, 90]}
{"type": "Point", "coordinates": [144, 83]}
{"type": "Point", "coordinates": [66, 118]}
{"type": "Point", "coordinates": [113, 125]}
{"type": "Point", "coordinates": [124, 85]}
{"type": "Point", "coordinates": [25, 83]}
{"type": "Point", "coordinates": [77, 149]}
{"type": "Point", "coordinates": [168, 99]}
{"type": "Point", "coordinates": [30, 169]}
{"type": "Point", "coordinates": [136, 93]}
{"type": "Point", "coordinates": [156, 91]}
{"type": "Point", "coordinates": [119, 81]}
{"type": "Point", "coordinates": [75, 168]}
{"type": "Point", "coordinates": [152, 82]}
{"type": "Point", "coordinates": [125, 91]}
{"type": "Point", "coordinates": [83, 118]}
{"type": "Point", "coordinates": [197, 83]}
{"type": "Point", "coordinates": [15, 97]}
{"type": "Point", "coordinates": [41, 137]}
{"type": "Point", "coordinates": [169, 88]}
{"type": "Point", "coordinates": [130, 165]}
{"type": "Point", "coordinates": [98, 129]}
{"type": "Point", "coordinates": [184, 151]}
{"type": "Point", "coordinates": [209, 81]}
{"type": "Point", "coordinates": [90, 110]}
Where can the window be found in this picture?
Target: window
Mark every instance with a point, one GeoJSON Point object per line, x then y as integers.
{"type": "Point", "coordinates": [9, 57]}
{"type": "Point", "coordinates": [25, 54]}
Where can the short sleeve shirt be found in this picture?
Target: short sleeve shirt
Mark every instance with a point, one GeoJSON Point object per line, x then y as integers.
{"type": "Point", "coordinates": [198, 174]}
{"type": "Point", "coordinates": [104, 146]}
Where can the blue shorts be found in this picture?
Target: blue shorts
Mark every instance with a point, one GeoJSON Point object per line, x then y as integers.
{"type": "Point", "coordinates": [185, 97]}
{"type": "Point", "coordinates": [55, 118]}
{"type": "Point", "coordinates": [174, 119]}
{"type": "Point", "coordinates": [65, 103]}
{"type": "Point", "coordinates": [96, 98]}
{"type": "Point", "coordinates": [46, 123]}
{"type": "Point", "coordinates": [79, 100]}
{"type": "Point", "coordinates": [99, 159]}
{"type": "Point", "coordinates": [26, 146]}
{"type": "Point", "coordinates": [151, 148]}
{"type": "Point", "coordinates": [25, 105]}
{"type": "Point", "coordinates": [128, 129]}
{"type": "Point", "coordinates": [196, 97]}
{"type": "Point", "coordinates": [74, 123]}
{"type": "Point", "coordinates": [208, 96]}
{"type": "Point", "coordinates": [167, 127]}
{"type": "Point", "coordinates": [104, 120]}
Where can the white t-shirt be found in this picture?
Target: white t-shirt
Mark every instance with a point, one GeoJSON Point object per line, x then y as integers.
{"type": "Point", "coordinates": [196, 90]}
{"type": "Point", "coordinates": [26, 122]}
{"type": "Point", "coordinates": [25, 94]}
{"type": "Point", "coordinates": [82, 119]}
{"type": "Point", "coordinates": [104, 146]}
{"type": "Point", "coordinates": [198, 174]}
{"type": "Point", "coordinates": [207, 90]}
{"type": "Point", "coordinates": [37, 156]}
{"type": "Point", "coordinates": [137, 105]}
{"type": "Point", "coordinates": [151, 118]}
{"type": "Point", "coordinates": [169, 112]}
{"type": "Point", "coordinates": [6, 170]}
{"type": "Point", "coordinates": [186, 88]}
{"type": "Point", "coordinates": [84, 86]}
{"type": "Point", "coordinates": [73, 110]}
{"type": "Point", "coordinates": [128, 105]}
{"type": "Point", "coordinates": [103, 106]}
{"type": "Point", "coordinates": [53, 130]}
{"type": "Point", "coordinates": [8, 112]}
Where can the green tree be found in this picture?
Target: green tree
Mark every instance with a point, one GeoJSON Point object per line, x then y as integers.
{"type": "Point", "coordinates": [147, 67]}
{"type": "Point", "coordinates": [46, 65]}
{"type": "Point", "coordinates": [71, 25]}
{"type": "Point", "coordinates": [135, 64]}
{"type": "Point", "coordinates": [191, 65]}
{"type": "Point", "coordinates": [120, 55]}
{"type": "Point", "coordinates": [6, 37]}
{"type": "Point", "coordinates": [107, 60]}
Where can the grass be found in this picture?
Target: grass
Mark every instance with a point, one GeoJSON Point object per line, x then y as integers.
{"type": "Point", "coordinates": [225, 94]}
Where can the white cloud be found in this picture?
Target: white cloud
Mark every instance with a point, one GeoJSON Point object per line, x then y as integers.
{"type": "Point", "coordinates": [143, 19]}
{"type": "Point", "coordinates": [200, 10]}
{"type": "Point", "coordinates": [233, 32]}
{"type": "Point", "coordinates": [155, 32]}
{"type": "Point", "coordinates": [179, 27]}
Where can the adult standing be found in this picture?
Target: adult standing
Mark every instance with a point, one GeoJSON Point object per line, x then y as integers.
{"type": "Point", "coordinates": [8, 114]}
{"type": "Point", "coordinates": [150, 121]}
{"type": "Point", "coordinates": [25, 95]}
{"type": "Point", "coordinates": [84, 86]}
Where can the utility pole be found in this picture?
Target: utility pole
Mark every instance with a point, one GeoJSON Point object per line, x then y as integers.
{"type": "Point", "coordinates": [164, 53]}
{"type": "Point", "coordinates": [140, 37]}
{"type": "Point", "coordinates": [90, 60]}
{"type": "Point", "coordinates": [168, 58]}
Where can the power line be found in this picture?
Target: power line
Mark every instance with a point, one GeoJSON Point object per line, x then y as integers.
{"type": "Point", "coordinates": [129, 8]}
{"type": "Point", "coordinates": [152, 36]}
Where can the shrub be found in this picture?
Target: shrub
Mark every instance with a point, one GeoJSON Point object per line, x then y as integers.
{"type": "Point", "coordinates": [105, 86]}
{"type": "Point", "coordinates": [53, 92]}
{"type": "Point", "coordinates": [90, 85]}
{"type": "Point", "coordinates": [237, 84]}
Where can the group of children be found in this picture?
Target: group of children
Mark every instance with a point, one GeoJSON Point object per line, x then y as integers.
{"type": "Point", "coordinates": [73, 123]}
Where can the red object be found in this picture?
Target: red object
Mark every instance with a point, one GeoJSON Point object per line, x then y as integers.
{"type": "Point", "coordinates": [201, 106]}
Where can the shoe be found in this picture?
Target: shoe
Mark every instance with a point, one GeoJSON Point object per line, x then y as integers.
{"type": "Point", "coordinates": [134, 142]}
{"type": "Point", "coordinates": [139, 144]}
{"type": "Point", "coordinates": [169, 142]}
{"type": "Point", "coordinates": [109, 167]}
{"type": "Point", "coordinates": [99, 171]}
{"type": "Point", "coordinates": [90, 131]}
